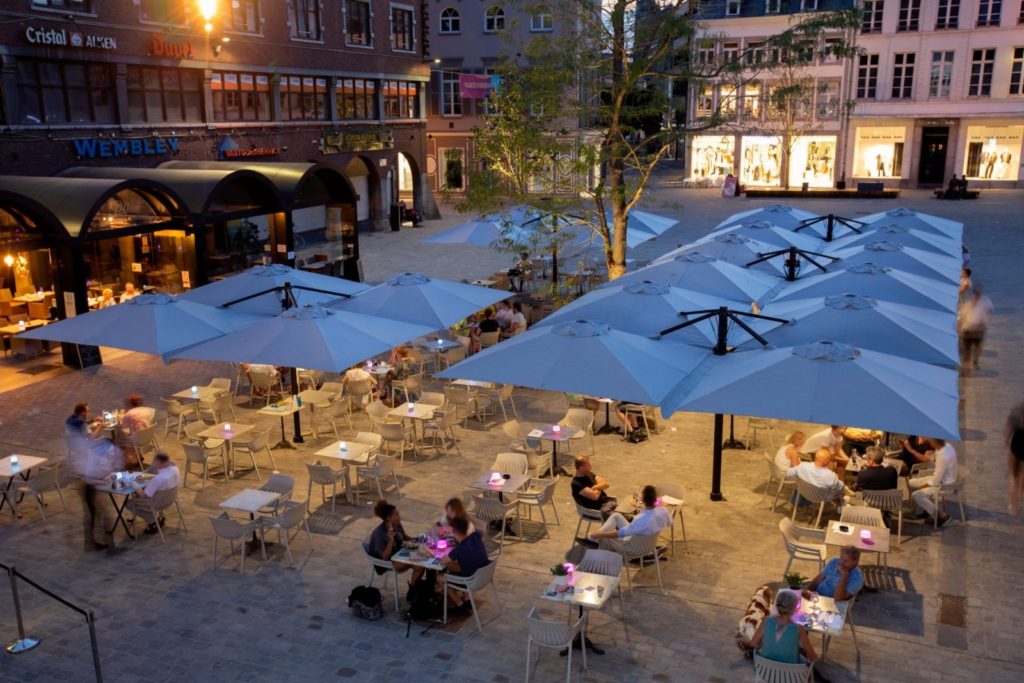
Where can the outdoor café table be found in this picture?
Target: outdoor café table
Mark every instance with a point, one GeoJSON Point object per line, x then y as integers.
{"type": "Point", "coordinates": [483, 283]}
{"type": "Point", "coordinates": [8, 470]}
{"type": "Point", "coordinates": [32, 298]}
{"type": "Point", "coordinates": [437, 347]}
{"type": "Point", "coordinates": [200, 393]}
{"type": "Point", "coordinates": [674, 506]}
{"type": "Point", "coordinates": [18, 327]}
{"type": "Point", "coordinates": [869, 539]}
{"type": "Point", "coordinates": [282, 409]}
{"type": "Point", "coordinates": [423, 555]}
{"type": "Point", "coordinates": [122, 487]}
{"type": "Point", "coordinates": [379, 370]}
{"type": "Point", "coordinates": [227, 431]}
{"type": "Point", "coordinates": [314, 398]}
{"type": "Point", "coordinates": [473, 384]}
{"type": "Point", "coordinates": [251, 501]}
{"type": "Point", "coordinates": [353, 455]}
{"type": "Point", "coordinates": [555, 437]}
{"type": "Point", "coordinates": [607, 428]}
{"type": "Point", "coordinates": [509, 483]}
{"type": "Point", "coordinates": [821, 615]}
{"type": "Point", "coordinates": [590, 591]}
{"type": "Point", "coordinates": [414, 411]}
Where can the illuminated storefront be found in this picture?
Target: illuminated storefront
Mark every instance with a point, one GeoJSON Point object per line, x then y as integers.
{"type": "Point", "coordinates": [713, 156]}
{"type": "Point", "coordinates": [760, 160]}
{"type": "Point", "coordinates": [993, 152]}
{"type": "Point", "coordinates": [813, 161]}
{"type": "Point", "coordinates": [878, 152]}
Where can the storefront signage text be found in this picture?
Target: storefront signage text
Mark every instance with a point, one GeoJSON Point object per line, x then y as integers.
{"type": "Point", "coordinates": [356, 140]}
{"type": "Point", "coordinates": [65, 38]}
{"type": "Point", "coordinates": [229, 149]}
{"type": "Point", "coordinates": [91, 148]}
{"type": "Point", "coordinates": [161, 47]}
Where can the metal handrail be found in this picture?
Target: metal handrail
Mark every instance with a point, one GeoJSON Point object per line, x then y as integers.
{"type": "Point", "coordinates": [24, 642]}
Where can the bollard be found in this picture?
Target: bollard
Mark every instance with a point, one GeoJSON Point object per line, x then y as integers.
{"type": "Point", "coordinates": [24, 643]}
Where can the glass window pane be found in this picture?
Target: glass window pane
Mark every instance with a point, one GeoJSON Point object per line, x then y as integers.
{"type": "Point", "coordinates": [53, 104]}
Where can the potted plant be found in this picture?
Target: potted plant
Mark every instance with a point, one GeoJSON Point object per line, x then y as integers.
{"type": "Point", "coordinates": [559, 570]}
{"type": "Point", "coordinates": [795, 580]}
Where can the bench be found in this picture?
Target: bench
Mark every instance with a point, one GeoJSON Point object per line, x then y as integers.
{"type": "Point", "coordinates": [967, 194]}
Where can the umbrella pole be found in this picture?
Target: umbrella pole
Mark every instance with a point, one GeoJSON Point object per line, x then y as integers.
{"type": "Point", "coordinates": [716, 462]}
{"type": "Point", "coordinates": [297, 423]}
{"type": "Point", "coordinates": [732, 441]}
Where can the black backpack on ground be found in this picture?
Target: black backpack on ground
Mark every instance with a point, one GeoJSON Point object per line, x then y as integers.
{"type": "Point", "coordinates": [366, 603]}
{"type": "Point", "coordinates": [424, 602]}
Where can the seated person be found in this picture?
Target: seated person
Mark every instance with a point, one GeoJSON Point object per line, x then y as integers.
{"type": "Point", "coordinates": [387, 538]}
{"type": "Point", "coordinates": [650, 521]}
{"type": "Point", "coordinates": [134, 419]}
{"type": "Point", "coordinates": [789, 455]}
{"type": "Point", "coordinates": [357, 373]}
{"type": "Point", "coordinates": [167, 477]}
{"type": "Point", "coordinates": [628, 420]}
{"type": "Point", "coordinates": [915, 449]}
{"type": "Point", "coordinates": [486, 324]}
{"type": "Point", "coordinates": [402, 365]}
{"type": "Point", "coordinates": [818, 474]}
{"type": "Point", "coordinates": [264, 371]}
{"type": "Point", "coordinates": [107, 299]}
{"type": "Point", "coordinates": [503, 315]}
{"type": "Point", "coordinates": [924, 487]}
{"type": "Point", "coordinates": [861, 439]}
{"type": "Point", "coordinates": [468, 556]}
{"type": "Point", "coordinates": [841, 579]}
{"type": "Point", "coordinates": [454, 509]}
{"type": "Point", "coordinates": [129, 293]}
{"type": "Point", "coordinates": [588, 489]}
{"type": "Point", "coordinates": [876, 476]}
{"type": "Point", "coordinates": [832, 439]}
{"type": "Point", "coordinates": [953, 189]}
{"type": "Point", "coordinates": [79, 424]}
{"type": "Point", "coordinates": [779, 638]}
{"type": "Point", "coordinates": [518, 323]}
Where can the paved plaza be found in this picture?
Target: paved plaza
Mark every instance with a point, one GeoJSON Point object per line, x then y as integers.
{"type": "Point", "coordinates": [164, 614]}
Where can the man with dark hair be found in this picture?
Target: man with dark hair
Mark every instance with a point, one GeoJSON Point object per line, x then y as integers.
{"type": "Point", "coordinates": [651, 520]}
{"type": "Point", "coordinates": [588, 489]}
{"type": "Point", "coordinates": [78, 423]}
{"type": "Point", "coordinates": [468, 556]}
{"type": "Point", "coordinates": [841, 579]}
{"type": "Point", "coordinates": [877, 477]}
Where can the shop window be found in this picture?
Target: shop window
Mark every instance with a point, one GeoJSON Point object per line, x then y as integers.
{"type": "Point", "coordinates": [992, 152]}
{"type": "Point", "coordinates": [452, 173]}
{"type": "Point", "coordinates": [304, 19]}
{"type": "Point", "coordinates": [358, 25]}
{"type": "Point", "coordinates": [403, 36]}
{"type": "Point", "coordinates": [989, 12]}
{"type": "Point", "coordinates": [727, 104]}
{"type": "Point", "coordinates": [451, 96]}
{"type": "Point", "coordinates": [909, 16]}
{"type": "Point", "coordinates": [451, 22]}
{"type": "Point", "coordinates": [494, 20]}
{"type": "Point", "coordinates": [982, 63]}
{"type": "Point", "coordinates": [163, 11]}
{"type": "Point", "coordinates": [812, 160]}
{"type": "Point", "coordinates": [1017, 72]}
{"type": "Point", "coordinates": [878, 152]}
{"type": "Point", "coordinates": [760, 161]}
{"type": "Point", "coordinates": [903, 75]}
{"type": "Point", "coordinates": [164, 95]}
{"type": "Point", "coordinates": [401, 100]}
{"type": "Point", "coordinates": [63, 92]}
{"type": "Point", "coordinates": [356, 98]}
{"type": "Point", "coordinates": [867, 77]}
{"type": "Point", "coordinates": [871, 16]}
{"type": "Point", "coordinates": [828, 100]}
{"type": "Point", "coordinates": [240, 96]}
{"type": "Point", "coordinates": [245, 16]}
{"type": "Point", "coordinates": [948, 15]}
{"type": "Point", "coordinates": [542, 20]}
{"type": "Point", "coordinates": [712, 155]}
{"type": "Point", "coordinates": [942, 74]}
{"type": "Point", "coordinates": [303, 98]}
{"type": "Point", "coordinates": [65, 5]}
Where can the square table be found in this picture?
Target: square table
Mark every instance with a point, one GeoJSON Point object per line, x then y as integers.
{"type": "Point", "coordinates": [419, 413]}
{"type": "Point", "coordinates": [877, 543]}
{"type": "Point", "coordinates": [17, 327]}
{"type": "Point", "coordinates": [355, 453]}
{"type": "Point", "coordinates": [220, 431]}
{"type": "Point", "coordinates": [251, 501]}
{"type": "Point", "coordinates": [423, 556]}
{"type": "Point", "coordinates": [590, 591]}
{"type": "Point", "coordinates": [510, 485]}
{"type": "Point", "coordinates": [282, 409]}
{"type": "Point", "coordinates": [32, 298]}
{"type": "Point", "coordinates": [122, 487]}
{"type": "Point", "coordinates": [483, 283]}
{"type": "Point", "coordinates": [437, 347]}
{"type": "Point", "coordinates": [25, 464]}
{"type": "Point", "coordinates": [201, 394]}
{"type": "Point", "coordinates": [548, 434]}
{"type": "Point", "coordinates": [473, 384]}
{"type": "Point", "coordinates": [821, 615]}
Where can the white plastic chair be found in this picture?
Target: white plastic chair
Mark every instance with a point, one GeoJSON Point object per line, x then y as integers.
{"type": "Point", "coordinates": [636, 548]}
{"type": "Point", "coordinates": [889, 500]}
{"type": "Point", "coordinates": [582, 420]}
{"type": "Point", "coordinates": [434, 398]}
{"type": "Point", "coordinates": [268, 382]}
{"type": "Point", "coordinates": [179, 412]}
{"type": "Point", "coordinates": [200, 455]}
{"type": "Point", "coordinates": [494, 510]}
{"type": "Point", "coordinates": [776, 473]}
{"type": "Point", "coordinates": [442, 427]}
{"type": "Point", "coordinates": [589, 516]}
{"type": "Point", "coordinates": [863, 515]}
{"type": "Point", "coordinates": [770, 671]}
{"type": "Point", "coordinates": [802, 543]}
{"type": "Point", "coordinates": [386, 566]}
{"type": "Point", "coordinates": [282, 484]}
{"type": "Point", "coordinates": [759, 424]}
{"type": "Point", "coordinates": [161, 501]}
{"type": "Point", "coordinates": [464, 402]}
{"type": "Point", "coordinates": [471, 584]}
{"type": "Point", "coordinates": [396, 434]}
{"type": "Point", "coordinates": [540, 492]}
{"type": "Point", "coordinates": [44, 480]}
{"type": "Point", "coordinates": [324, 476]}
{"type": "Point", "coordinates": [374, 441]}
{"type": "Point", "coordinates": [955, 489]}
{"type": "Point", "coordinates": [293, 517]}
{"type": "Point", "coordinates": [232, 530]}
{"type": "Point", "coordinates": [555, 635]}
{"type": "Point", "coordinates": [813, 494]}
{"type": "Point", "coordinates": [605, 563]}
{"type": "Point", "coordinates": [258, 442]}
{"type": "Point", "coordinates": [505, 394]}
{"type": "Point", "coordinates": [678, 492]}
{"type": "Point", "coordinates": [510, 463]}
{"type": "Point", "coordinates": [221, 384]}
{"type": "Point", "coordinates": [381, 471]}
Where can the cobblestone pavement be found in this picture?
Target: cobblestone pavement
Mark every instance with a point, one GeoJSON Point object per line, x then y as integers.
{"type": "Point", "coordinates": [165, 614]}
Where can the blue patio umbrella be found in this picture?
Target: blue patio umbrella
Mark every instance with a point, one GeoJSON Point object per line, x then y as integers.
{"type": "Point", "coordinates": [918, 221]}
{"type": "Point", "coordinates": [876, 281]}
{"type": "Point", "coordinates": [895, 255]}
{"type": "Point", "coordinates": [901, 234]}
{"type": "Point", "coordinates": [736, 249]}
{"type": "Point", "coordinates": [700, 272]}
{"type": "Point", "coordinates": [776, 214]}
{"type": "Point", "coordinates": [158, 324]}
{"type": "Point", "coordinates": [416, 298]}
{"type": "Point", "coordinates": [768, 233]}
{"type": "Point", "coordinates": [519, 224]}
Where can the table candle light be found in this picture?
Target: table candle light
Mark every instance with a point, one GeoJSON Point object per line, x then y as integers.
{"type": "Point", "coordinates": [495, 477]}
{"type": "Point", "coordinates": [195, 389]}
{"type": "Point", "coordinates": [442, 545]}
{"type": "Point", "coordinates": [14, 463]}
{"type": "Point", "coordinates": [556, 428]}
{"type": "Point", "coordinates": [410, 406]}
{"type": "Point", "coordinates": [569, 569]}
{"type": "Point", "coordinates": [865, 535]}
{"type": "Point", "coordinates": [227, 426]}
{"type": "Point", "coordinates": [342, 446]}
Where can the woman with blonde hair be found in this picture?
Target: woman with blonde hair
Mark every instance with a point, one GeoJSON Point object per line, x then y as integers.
{"type": "Point", "coordinates": [452, 510]}
{"type": "Point", "coordinates": [789, 455]}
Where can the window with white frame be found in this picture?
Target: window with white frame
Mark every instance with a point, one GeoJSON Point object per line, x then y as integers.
{"type": "Point", "coordinates": [948, 14]}
{"type": "Point", "coordinates": [730, 52]}
{"type": "Point", "coordinates": [358, 24]}
{"type": "Point", "coordinates": [752, 101]}
{"type": "Point", "coordinates": [910, 15]}
{"type": "Point", "coordinates": [983, 62]}
{"type": "Point", "coordinates": [705, 101]}
{"type": "Point", "coordinates": [494, 19]}
{"type": "Point", "coordinates": [828, 99]}
{"type": "Point", "coordinates": [871, 16]}
{"type": "Point", "coordinates": [830, 50]}
{"type": "Point", "coordinates": [772, 6]}
{"type": "Point", "coordinates": [867, 77]}
{"type": "Point", "coordinates": [245, 16]}
{"type": "Point", "coordinates": [808, 5]}
{"type": "Point", "coordinates": [727, 104]}
{"type": "Point", "coordinates": [1017, 72]}
{"type": "Point", "coordinates": [304, 17]}
{"type": "Point", "coordinates": [706, 53]}
{"type": "Point", "coordinates": [451, 96]}
{"type": "Point", "coordinates": [732, 8]}
{"type": "Point", "coordinates": [451, 21]}
{"type": "Point", "coordinates": [989, 12]}
{"type": "Point", "coordinates": [754, 53]}
{"type": "Point", "coordinates": [942, 73]}
{"type": "Point", "coordinates": [903, 75]}
{"type": "Point", "coordinates": [541, 20]}
{"type": "Point", "coordinates": [403, 35]}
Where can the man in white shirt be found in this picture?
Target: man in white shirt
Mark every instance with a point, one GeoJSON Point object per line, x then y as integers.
{"type": "Point", "coordinates": [819, 475]}
{"type": "Point", "coordinates": [504, 315]}
{"type": "Point", "coordinates": [832, 439]}
{"type": "Point", "coordinates": [167, 477]}
{"type": "Point", "coordinates": [972, 322]}
{"type": "Point", "coordinates": [129, 293]}
{"type": "Point", "coordinates": [945, 473]}
{"type": "Point", "coordinates": [650, 521]}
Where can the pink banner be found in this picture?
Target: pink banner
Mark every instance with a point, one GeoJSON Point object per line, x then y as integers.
{"type": "Point", "coordinates": [476, 86]}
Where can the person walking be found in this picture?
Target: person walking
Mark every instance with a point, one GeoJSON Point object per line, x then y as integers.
{"type": "Point", "coordinates": [973, 323]}
{"type": "Point", "coordinates": [1015, 444]}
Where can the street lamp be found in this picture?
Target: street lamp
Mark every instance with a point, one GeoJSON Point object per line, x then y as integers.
{"type": "Point", "coordinates": [208, 10]}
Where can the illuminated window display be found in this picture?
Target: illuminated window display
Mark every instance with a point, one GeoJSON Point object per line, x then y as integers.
{"type": "Point", "coordinates": [993, 153]}
{"type": "Point", "coordinates": [878, 152]}
{"type": "Point", "coordinates": [761, 159]}
{"type": "Point", "coordinates": [813, 160]}
{"type": "Point", "coordinates": [712, 155]}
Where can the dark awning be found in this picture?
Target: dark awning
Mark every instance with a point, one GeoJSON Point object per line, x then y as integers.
{"type": "Point", "coordinates": [300, 184]}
